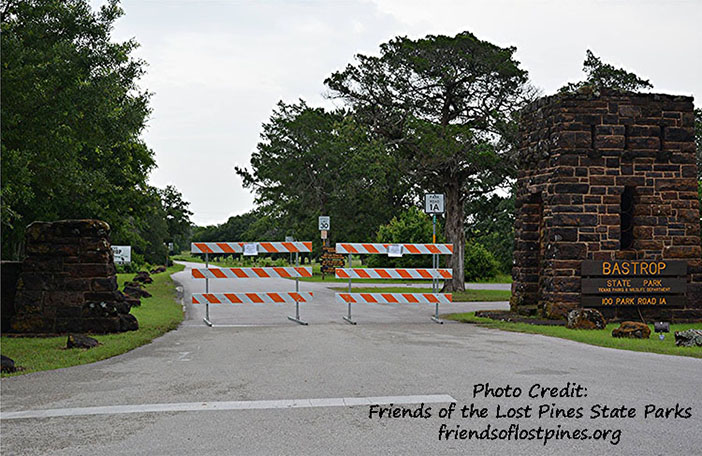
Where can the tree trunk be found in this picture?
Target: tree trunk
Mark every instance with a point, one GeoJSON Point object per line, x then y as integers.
{"type": "Point", "coordinates": [456, 235]}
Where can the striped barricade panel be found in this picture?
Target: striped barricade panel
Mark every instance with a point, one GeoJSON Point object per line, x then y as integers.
{"type": "Point", "coordinates": [252, 273]}
{"type": "Point", "coordinates": [263, 247]}
{"type": "Point", "coordinates": [252, 298]}
{"type": "Point", "coordinates": [396, 273]}
{"type": "Point", "coordinates": [407, 249]}
{"type": "Point", "coordinates": [393, 298]}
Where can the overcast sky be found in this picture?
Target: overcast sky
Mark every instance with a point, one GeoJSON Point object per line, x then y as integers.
{"type": "Point", "coordinates": [218, 67]}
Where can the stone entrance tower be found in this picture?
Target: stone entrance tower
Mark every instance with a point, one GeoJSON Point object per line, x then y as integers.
{"type": "Point", "coordinates": [604, 176]}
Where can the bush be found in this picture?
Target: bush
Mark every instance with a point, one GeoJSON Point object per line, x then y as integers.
{"type": "Point", "coordinates": [412, 226]}
{"type": "Point", "coordinates": [479, 263]}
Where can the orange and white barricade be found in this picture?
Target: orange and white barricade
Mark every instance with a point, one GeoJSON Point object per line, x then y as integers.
{"type": "Point", "coordinates": [395, 250]}
{"type": "Point", "coordinates": [254, 298]}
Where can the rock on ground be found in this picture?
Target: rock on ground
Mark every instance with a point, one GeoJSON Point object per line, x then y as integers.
{"type": "Point", "coordinates": [8, 364]}
{"type": "Point", "coordinates": [688, 338]}
{"type": "Point", "coordinates": [81, 341]}
{"type": "Point", "coordinates": [136, 292]}
{"type": "Point", "coordinates": [586, 319]}
{"type": "Point", "coordinates": [633, 330]}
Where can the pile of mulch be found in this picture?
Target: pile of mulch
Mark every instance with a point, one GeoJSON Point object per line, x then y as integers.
{"type": "Point", "coordinates": [505, 315]}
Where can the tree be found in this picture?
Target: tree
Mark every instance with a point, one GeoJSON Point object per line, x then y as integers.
{"type": "Point", "coordinates": [441, 104]}
{"type": "Point", "coordinates": [177, 216]}
{"type": "Point", "coordinates": [600, 75]}
{"type": "Point", "coordinates": [72, 114]}
{"type": "Point", "coordinates": [490, 223]}
{"type": "Point", "coordinates": [313, 162]}
{"type": "Point", "coordinates": [236, 228]}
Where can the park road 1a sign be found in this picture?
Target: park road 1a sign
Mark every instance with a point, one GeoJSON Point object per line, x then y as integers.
{"type": "Point", "coordinates": [434, 203]}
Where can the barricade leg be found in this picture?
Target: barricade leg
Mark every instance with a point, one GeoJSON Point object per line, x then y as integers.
{"type": "Point", "coordinates": [296, 318]}
{"type": "Point", "coordinates": [347, 318]}
{"type": "Point", "coordinates": [207, 290]}
{"type": "Point", "coordinates": [435, 318]}
{"type": "Point", "coordinates": [435, 289]}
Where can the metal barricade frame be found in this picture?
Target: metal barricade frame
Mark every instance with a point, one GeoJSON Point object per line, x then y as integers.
{"type": "Point", "coordinates": [296, 272]}
{"type": "Point", "coordinates": [435, 274]}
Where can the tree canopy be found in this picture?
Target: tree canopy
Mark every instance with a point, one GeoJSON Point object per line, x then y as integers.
{"type": "Point", "coordinates": [313, 162]}
{"type": "Point", "coordinates": [445, 106]}
{"type": "Point", "coordinates": [600, 75]}
{"type": "Point", "coordinates": [72, 114]}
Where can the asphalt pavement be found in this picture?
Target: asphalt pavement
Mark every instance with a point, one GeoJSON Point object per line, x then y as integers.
{"type": "Point", "coordinates": [262, 385]}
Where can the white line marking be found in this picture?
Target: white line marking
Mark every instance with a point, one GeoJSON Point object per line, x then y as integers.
{"type": "Point", "coordinates": [227, 405]}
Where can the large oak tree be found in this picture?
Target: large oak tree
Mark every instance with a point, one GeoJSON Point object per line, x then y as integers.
{"type": "Point", "coordinates": [442, 104]}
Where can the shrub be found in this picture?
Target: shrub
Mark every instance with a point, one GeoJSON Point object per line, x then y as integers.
{"type": "Point", "coordinates": [411, 226]}
{"type": "Point", "coordinates": [479, 263]}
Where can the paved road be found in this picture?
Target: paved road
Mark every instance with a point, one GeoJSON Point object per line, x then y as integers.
{"type": "Point", "coordinates": [213, 381]}
{"type": "Point", "coordinates": [323, 309]}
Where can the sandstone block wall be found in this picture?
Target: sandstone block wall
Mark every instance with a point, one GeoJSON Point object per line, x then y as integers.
{"type": "Point", "coordinates": [580, 156]}
{"type": "Point", "coordinates": [68, 281]}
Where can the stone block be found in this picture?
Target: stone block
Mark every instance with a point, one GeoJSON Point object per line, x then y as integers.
{"type": "Point", "coordinates": [68, 281]}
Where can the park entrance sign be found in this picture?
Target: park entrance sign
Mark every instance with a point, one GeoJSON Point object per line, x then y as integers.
{"type": "Point", "coordinates": [633, 283]}
{"type": "Point", "coordinates": [607, 209]}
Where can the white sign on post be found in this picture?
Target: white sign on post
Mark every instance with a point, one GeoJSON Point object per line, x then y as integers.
{"type": "Point", "coordinates": [434, 203]}
{"type": "Point", "coordinates": [251, 249]}
{"type": "Point", "coordinates": [324, 222]}
{"type": "Point", "coordinates": [122, 254]}
{"type": "Point", "coordinates": [395, 250]}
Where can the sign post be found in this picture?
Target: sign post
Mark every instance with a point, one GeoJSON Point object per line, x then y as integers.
{"type": "Point", "coordinates": [434, 204]}
{"type": "Point", "coordinates": [324, 224]}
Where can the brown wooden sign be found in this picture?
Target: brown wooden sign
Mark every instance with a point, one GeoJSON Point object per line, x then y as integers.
{"type": "Point", "coordinates": [331, 260]}
{"type": "Point", "coordinates": [634, 283]}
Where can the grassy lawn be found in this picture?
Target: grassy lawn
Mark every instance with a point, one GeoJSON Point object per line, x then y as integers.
{"type": "Point", "coordinates": [602, 338]}
{"type": "Point", "coordinates": [157, 315]}
{"type": "Point", "coordinates": [460, 296]}
{"type": "Point", "coordinates": [499, 278]}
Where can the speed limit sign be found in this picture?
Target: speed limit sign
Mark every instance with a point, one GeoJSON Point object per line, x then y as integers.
{"type": "Point", "coordinates": [324, 223]}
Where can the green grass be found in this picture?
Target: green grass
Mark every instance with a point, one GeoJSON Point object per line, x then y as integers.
{"type": "Point", "coordinates": [156, 315]}
{"type": "Point", "coordinates": [499, 278]}
{"type": "Point", "coordinates": [601, 338]}
{"type": "Point", "coordinates": [458, 296]}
